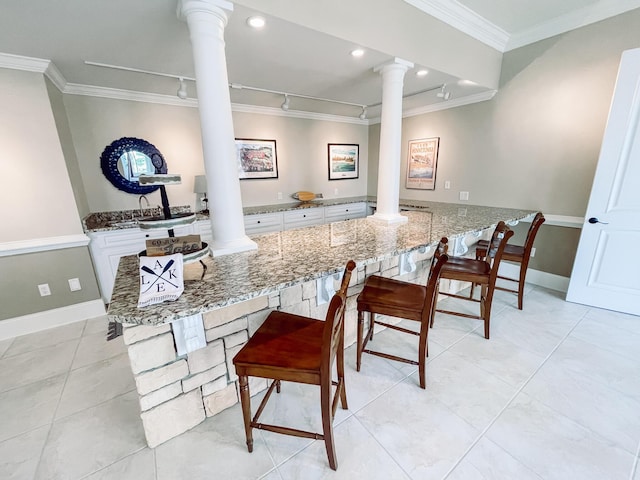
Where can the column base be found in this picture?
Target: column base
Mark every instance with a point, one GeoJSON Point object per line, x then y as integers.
{"type": "Point", "coordinates": [242, 244]}
{"type": "Point", "coordinates": [388, 218]}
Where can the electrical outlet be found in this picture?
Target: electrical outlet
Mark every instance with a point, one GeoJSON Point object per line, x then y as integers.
{"type": "Point", "coordinates": [533, 251]}
{"type": "Point", "coordinates": [464, 195]}
{"type": "Point", "coordinates": [447, 184]}
{"type": "Point", "coordinates": [279, 195]}
{"type": "Point", "coordinates": [74, 284]}
{"type": "Point", "coordinates": [335, 191]}
{"type": "Point", "coordinates": [44, 289]}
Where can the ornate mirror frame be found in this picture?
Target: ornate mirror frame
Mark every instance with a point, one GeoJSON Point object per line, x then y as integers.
{"type": "Point", "coordinates": [112, 154]}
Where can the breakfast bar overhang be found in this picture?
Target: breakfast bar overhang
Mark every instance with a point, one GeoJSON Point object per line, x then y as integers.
{"type": "Point", "coordinates": [295, 271]}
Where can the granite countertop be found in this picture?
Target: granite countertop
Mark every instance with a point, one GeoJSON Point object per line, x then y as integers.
{"type": "Point", "coordinates": [284, 259]}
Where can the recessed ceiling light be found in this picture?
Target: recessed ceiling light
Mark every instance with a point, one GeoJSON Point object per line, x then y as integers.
{"type": "Point", "coordinates": [256, 22]}
{"type": "Point", "coordinates": [358, 52]}
{"type": "Point", "coordinates": [422, 73]}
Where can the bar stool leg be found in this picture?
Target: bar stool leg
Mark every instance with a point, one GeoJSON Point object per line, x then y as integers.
{"type": "Point", "coordinates": [245, 399]}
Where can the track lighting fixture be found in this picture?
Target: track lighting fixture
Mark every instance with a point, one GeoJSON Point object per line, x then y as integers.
{"type": "Point", "coordinates": [285, 104]}
{"type": "Point", "coordinates": [443, 93]}
{"type": "Point", "coordinates": [182, 89]}
{"type": "Point", "coordinates": [363, 115]}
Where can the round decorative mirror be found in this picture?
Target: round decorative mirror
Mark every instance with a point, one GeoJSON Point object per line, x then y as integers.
{"type": "Point", "coordinates": [125, 159]}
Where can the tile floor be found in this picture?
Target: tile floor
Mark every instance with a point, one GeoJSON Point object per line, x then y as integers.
{"type": "Point", "coordinates": [555, 394]}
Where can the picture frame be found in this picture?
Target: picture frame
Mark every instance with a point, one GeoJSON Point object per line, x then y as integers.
{"type": "Point", "coordinates": [343, 160]}
{"type": "Point", "coordinates": [257, 159]}
{"type": "Point", "coordinates": [422, 163]}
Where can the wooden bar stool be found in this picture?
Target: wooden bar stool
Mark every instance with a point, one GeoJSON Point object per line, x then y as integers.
{"type": "Point", "coordinates": [481, 272]}
{"type": "Point", "coordinates": [518, 254]}
{"type": "Point", "coordinates": [395, 298]}
{"type": "Point", "coordinates": [294, 348]}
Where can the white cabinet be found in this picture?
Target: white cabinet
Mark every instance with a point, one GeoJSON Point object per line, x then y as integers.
{"type": "Point", "coordinates": [303, 218]}
{"type": "Point", "coordinates": [262, 223]}
{"type": "Point", "coordinates": [348, 211]}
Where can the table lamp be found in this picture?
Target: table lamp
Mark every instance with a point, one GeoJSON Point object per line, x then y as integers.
{"type": "Point", "coordinates": [200, 187]}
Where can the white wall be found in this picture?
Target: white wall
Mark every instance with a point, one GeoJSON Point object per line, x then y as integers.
{"type": "Point", "coordinates": [36, 199]}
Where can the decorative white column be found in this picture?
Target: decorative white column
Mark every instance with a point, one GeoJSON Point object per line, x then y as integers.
{"type": "Point", "coordinates": [387, 209]}
{"type": "Point", "coordinates": [207, 20]}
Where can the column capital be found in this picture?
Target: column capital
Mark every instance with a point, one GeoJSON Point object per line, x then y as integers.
{"type": "Point", "coordinates": [395, 63]}
{"type": "Point", "coordinates": [220, 8]}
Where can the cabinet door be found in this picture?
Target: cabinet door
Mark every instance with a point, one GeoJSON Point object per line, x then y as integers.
{"type": "Point", "coordinates": [303, 218]}
{"type": "Point", "coordinates": [348, 211]}
{"type": "Point", "coordinates": [263, 223]}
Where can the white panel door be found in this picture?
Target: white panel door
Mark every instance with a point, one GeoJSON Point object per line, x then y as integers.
{"type": "Point", "coordinates": [606, 272]}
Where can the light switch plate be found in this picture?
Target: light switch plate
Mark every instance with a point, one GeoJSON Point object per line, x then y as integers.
{"type": "Point", "coordinates": [44, 289]}
{"type": "Point", "coordinates": [74, 284]}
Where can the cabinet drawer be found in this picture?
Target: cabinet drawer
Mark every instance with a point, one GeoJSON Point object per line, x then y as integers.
{"type": "Point", "coordinates": [303, 218]}
{"type": "Point", "coordinates": [347, 211]}
{"type": "Point", "coordinates": [263, 223]}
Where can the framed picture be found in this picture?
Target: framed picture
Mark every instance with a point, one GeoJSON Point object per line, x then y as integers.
{"type": "Point", "coordinates": [256, 158]}
{"type": "Point", "coordinates": [422, 162]}
{"type": "Point", "coordinates": [343, 161]}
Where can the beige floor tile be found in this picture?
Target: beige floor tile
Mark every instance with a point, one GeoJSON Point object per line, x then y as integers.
{"type": "Point", "coordinates": [555, 447]}
{"type": "Point", "coordinates": [474, 394]}
{"type": "Point", "coordinates": [94, 384]}
{"type": "Point", "coordinates": [215, 448]}
{"type": "Point", "coordinates": [93, 439]}
{"type": "Point", "coordinates": [4, 345]}
{"type": "Point", "coordinates": [499, 357]}
{"type": "Point", "coordinates": [358, 453]}
{"type": "Point", "coordinates": [45, 338]}
{"type": "Point", "coordinates": [29, 407]}
{"type": "Point", "coordinates": [487, 461]}
{"type": "Point", "coordinates": [95, 348]}
{"type": "Point", "coordinates": [139, 466]}
{"type": "Point", "coordinates": [421, 434]}
{"type": "Point", "coordinates": [36, 365]}
{"type": "Point", "coordinates": [96, 325]}
{"type": "Point", "coordinates": [19, 455]}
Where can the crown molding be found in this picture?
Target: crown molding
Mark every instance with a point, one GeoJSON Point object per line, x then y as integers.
{"type": "Point", "coordinates": [570, 21]}
{"type": "Point", "coordinates": [453, 103]}
{"type": "Point", "coordinates": [465, 20]}
{"type": "Point", "coordinates": [28, 64]}
{"type": "Point", "coordinates": [119, 94]}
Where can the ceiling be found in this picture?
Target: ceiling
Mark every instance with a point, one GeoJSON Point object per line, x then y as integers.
{"type": "Point", "coordinates": [283, 56]}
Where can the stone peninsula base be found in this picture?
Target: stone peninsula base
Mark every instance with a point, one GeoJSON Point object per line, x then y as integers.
{"type": "Point", "coordinates": [178, 392]}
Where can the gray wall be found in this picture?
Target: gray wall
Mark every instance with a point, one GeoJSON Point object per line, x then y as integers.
{"type": "Point", "coordinates": [301, 149]}
{"type": "Point", "coordinates": [536, 144]}
{"type": "Point", "coordinates": [22, 273]}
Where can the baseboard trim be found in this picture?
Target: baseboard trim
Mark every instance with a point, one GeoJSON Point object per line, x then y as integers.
{"type": "Point", "coordinates": [537, 277]}
{"type": "Point", "coordinates": [35, 322]}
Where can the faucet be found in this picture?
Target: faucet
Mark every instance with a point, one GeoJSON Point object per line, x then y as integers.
{"type": "Point", "coordinates": [140, 204]}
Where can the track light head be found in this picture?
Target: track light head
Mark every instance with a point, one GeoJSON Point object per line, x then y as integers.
{"type": "Point", "coordinates": [285, 104]}
{"type": "Point", "coordinates": [443, 93]}
{"type": "Point", "coordinates": [182, 89]}
{"type": "Point", "coordinates": [363, 115]}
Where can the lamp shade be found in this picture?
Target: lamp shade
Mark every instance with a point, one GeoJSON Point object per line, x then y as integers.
{"type": "Point", "coordinates": [200, 185]}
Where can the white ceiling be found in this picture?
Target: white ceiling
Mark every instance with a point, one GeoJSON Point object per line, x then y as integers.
{"type": "Point", "coordinates": [285, 57]}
